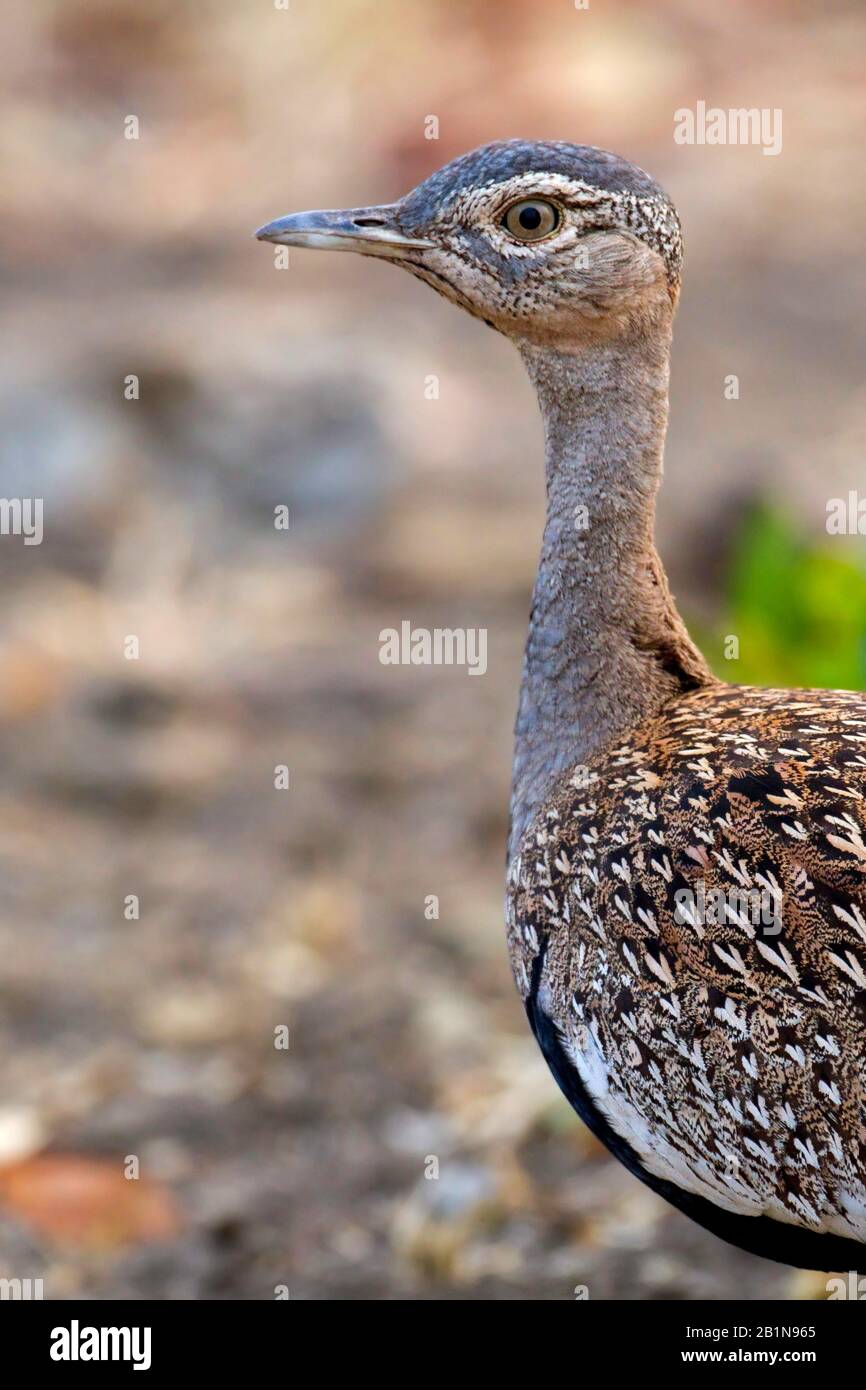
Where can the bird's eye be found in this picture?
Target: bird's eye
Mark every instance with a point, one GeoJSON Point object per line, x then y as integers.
{"type": "Point", "coordinates": [531, 219]}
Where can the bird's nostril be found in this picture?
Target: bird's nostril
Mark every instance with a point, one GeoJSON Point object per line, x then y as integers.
{"type": "Point", "coordinates": [368, 221]}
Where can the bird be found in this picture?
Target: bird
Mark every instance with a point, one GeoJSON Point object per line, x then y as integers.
{"type": "Point", "coordinates": [686, 866]}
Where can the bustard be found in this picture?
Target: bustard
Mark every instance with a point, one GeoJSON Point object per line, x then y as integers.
{"type": "Point", "coordinates": [718, 1054]}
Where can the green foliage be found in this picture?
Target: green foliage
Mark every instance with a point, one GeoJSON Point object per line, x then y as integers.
{"type": "Point", "coordinates": [797, 605]}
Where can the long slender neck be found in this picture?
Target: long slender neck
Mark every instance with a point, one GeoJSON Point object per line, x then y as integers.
{"type": "Point", "coordinates": [606, 645]}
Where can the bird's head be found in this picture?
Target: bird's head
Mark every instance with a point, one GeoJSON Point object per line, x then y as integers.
{"type": "Point", "coordinates": [547, 242]}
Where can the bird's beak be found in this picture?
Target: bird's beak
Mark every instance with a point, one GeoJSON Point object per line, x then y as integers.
{"type": "Point", "coordinates": [371, 231]}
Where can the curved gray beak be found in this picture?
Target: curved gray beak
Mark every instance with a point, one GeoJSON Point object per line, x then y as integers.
{"type": "Point", "coordinates": [370, 231]}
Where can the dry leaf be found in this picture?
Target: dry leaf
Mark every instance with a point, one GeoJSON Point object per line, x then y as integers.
{"type": "Point", "coordinates": [87, 1202]}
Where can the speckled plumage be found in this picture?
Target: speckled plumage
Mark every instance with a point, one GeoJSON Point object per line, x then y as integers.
{"type": "Point", "coordinates": [731, 1057]}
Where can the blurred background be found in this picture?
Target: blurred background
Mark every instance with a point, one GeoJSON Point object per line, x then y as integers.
{"type": "Point", "coordinates": [165, 908]}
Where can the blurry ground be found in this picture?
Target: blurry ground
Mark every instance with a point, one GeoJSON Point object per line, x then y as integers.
{"type": "Point", "coordinates": [260, 908]}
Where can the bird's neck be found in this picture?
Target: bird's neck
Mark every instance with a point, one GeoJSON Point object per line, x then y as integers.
{"type": "Point", "coordinates": [606, 645]}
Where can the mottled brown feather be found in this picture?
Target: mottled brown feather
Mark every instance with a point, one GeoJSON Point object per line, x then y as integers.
{"type": "Point", "coordinates": [741, 1048]}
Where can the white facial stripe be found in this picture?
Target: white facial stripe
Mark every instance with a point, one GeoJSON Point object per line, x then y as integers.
{"type": "Point", "coordinates": [652, 220]}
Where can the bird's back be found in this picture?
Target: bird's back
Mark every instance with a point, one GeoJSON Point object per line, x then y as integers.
{"type": "Point", "coordinates": [687, 921]}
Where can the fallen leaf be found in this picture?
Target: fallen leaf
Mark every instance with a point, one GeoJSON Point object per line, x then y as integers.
{"type": "Point", "coordinates": [87, 1202]}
